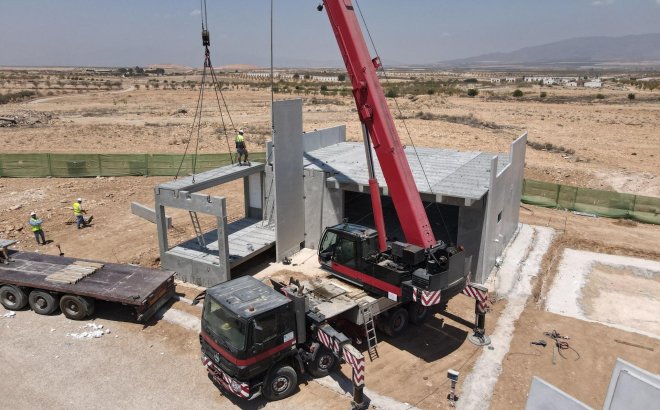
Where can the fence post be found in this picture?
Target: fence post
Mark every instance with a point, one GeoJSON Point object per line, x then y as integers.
{"type": "Point", "coordinates": [575, 198]}
{"type": "Point", "coordinates": [557, 196]}
{"type": "Point", "coordinates": [146, 165]}
{"type": "Point", "coordinates": [634, 204]}
{"type": "Point", "coordinates": [50, 165]}
{"type": "Point", "coordinates": [98, 158]}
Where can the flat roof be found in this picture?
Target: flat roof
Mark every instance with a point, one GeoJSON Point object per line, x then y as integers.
{"type": "Point", "coordinates": [459, 174]}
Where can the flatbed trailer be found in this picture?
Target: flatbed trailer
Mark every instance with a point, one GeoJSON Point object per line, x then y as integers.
{"type": "Point", "coordinates": [28, 280]}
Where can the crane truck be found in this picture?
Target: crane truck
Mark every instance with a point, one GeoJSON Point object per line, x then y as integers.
{"type": "Point", "coordinates": [256, 339]}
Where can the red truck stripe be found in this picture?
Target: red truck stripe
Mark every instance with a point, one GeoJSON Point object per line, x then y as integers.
{"type": "Point", "coordinates": [252, 360]}
{"type": "Point", "coordinates": [370, 280]}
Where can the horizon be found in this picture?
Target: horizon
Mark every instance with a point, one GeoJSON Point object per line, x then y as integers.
{"type": "Point", "coordinates": [81, 33]}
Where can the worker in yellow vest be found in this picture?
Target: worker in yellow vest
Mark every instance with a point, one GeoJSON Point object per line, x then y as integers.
{"type": "Point", "coordinates": [78, 212]}
{"type": "Point", "coordinates": [241, 149]}
{"type": "Point", "coordinates": [37, 230]}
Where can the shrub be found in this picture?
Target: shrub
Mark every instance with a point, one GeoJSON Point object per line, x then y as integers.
{"type": "Point", "coordinates": [430, 91]}
{"type": "Point", "coordinates": [517, 93]}
{"type": "Point", "coordinates": [391, 93]}
{"type": "Point", "coordinates": [600, 96]}
{"type": "Point", "coordinates": [472, 92]}
{"type": "Point", "coordinates": [543, 94]}
{"type": "Point", "coordinates": [324, 88]}
{"type": "Point", "coordinates": [631, 96]}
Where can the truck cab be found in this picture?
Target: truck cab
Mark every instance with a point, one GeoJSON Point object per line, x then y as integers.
{"type": "Point", "coordinates": [246, 328]}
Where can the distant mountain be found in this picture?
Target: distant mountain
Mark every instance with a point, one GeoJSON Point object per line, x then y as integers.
{"type": "Point", "coordinates": [576, 51]}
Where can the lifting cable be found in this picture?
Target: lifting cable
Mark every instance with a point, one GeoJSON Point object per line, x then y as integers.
{"type": "Point", "coordinates": [215, 84]}
{"type": "Point", "coordinates": [403, 120]}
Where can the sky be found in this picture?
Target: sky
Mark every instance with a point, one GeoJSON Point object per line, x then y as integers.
{"type": "Point", "coordinates": [144, 32]}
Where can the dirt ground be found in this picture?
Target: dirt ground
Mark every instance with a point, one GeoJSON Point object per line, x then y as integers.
{"type": "Point", "coordinates": [587, 378]}
{"type": "Point", "coordinates": [616, 144]}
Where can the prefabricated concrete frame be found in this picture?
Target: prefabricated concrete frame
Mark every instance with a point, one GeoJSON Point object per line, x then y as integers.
{"type": "Point", "coordinates": [207, 269]}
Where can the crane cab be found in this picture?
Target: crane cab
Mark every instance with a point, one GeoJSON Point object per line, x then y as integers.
{"type": "Point", "coordinates": [350, 252]}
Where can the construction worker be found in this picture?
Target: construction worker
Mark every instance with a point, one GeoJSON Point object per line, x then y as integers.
{"type": "Point", "coordinates": [241, 149]}
{"type": "Point", "coordinates": [35, 224]}
{"type": "Point", "coordinates": [78, 211]}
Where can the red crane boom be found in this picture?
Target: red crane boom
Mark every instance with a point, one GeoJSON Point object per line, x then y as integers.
{"type": "Point", "coordinates": [375, 115]}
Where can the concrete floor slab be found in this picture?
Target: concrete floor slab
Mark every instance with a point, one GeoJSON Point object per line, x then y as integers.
{"type": "Point", "coordinates": [589, 284]}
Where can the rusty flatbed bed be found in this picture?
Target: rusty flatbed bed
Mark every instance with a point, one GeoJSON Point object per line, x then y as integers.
{"type": "Point", "coordinates": [145, 289]}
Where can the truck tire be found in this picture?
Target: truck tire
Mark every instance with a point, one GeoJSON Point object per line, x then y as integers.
{"type": "Point", "coordinates": [76, 307]}
{"type": "Point", "coordinates": [396, 322]}
{"type": "Point", "coordinates": [43, 303]}
{"type": "Point", "coordinates": [417, 313]}
{"type": "Point", "coordinates": [323, 364]}
{"type": "Point", "coordinates": [12, 297]}
{"type": "Point", "coordinates": [280, 383]}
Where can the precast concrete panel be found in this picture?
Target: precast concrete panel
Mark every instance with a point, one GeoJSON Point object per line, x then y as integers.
{"type": "Point", "coordinates": [470, 230]}
{"type": "Point", "coordinates": [288, 174]}
{"type": "Point", "coordinates": [544, 396]}
{"type": "Point", "coordinates": [323, 206]}
{"type": "Point", "coordinates": [317, 139]}
{"type": "Point", "coordinates": [632, 388]}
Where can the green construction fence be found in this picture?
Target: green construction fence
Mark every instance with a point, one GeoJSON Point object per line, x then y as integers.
{"type": "Point", "coordinates": [592, 201]}
{"type": "Point", "coordinates": [602, 203]}
{"type": "Point", "coordinates": [92, 165]}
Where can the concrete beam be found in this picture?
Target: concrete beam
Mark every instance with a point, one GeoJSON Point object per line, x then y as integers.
{"type": "Point", "coordinates": [206, 204]}
{"type": "Point", "coordinates": [212, 178]}
{"type": "Point", "coordinates": [147, 213]}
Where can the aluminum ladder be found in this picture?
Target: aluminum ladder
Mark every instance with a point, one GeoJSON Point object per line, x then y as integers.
{"type": "Point", "coordinates": [370, 330]}
{"type": "Point", "coordinates": [198, 229]}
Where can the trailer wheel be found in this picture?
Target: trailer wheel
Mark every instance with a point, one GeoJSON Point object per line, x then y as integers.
{"type": "Point", "coordinates": [417, 313]}
{"type": "Point", "coordinates": [323, 364]}
{"type": "Point", "coordinates": [76, 307]}
{"type": "Point", "coordinates": [396, 322]}
{"type": "Point", "coordinates": [280, 383]}
{"type": "Point", "coordinates": [12, 297]}
{"type": "Point", "coordinates": [43, 303]}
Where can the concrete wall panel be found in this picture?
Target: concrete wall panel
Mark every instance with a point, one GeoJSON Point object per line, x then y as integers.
{"type": "Point", "coordinates": [323, 206]}
{"type": "Point", "coordinates": [288, 171]}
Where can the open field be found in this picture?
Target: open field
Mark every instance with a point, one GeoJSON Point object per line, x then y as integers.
{"type": "Point", "coordinates": [615, 144]}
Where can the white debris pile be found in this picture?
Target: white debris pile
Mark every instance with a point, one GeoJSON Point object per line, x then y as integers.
{"type": "Point", "coordinates": [95, 332]}
{"type": "Point", "coordinates": [9, 315]}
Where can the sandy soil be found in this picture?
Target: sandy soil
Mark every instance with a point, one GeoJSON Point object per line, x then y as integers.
{"type": "Point", "coordinates": [616, 144]}
{"type": "Point", "coordinates": [585, 379]}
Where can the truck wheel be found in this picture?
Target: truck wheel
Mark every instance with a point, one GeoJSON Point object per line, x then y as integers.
{"type": "Point", "coordinates": [417, 313]}
{"type": "Point", "coordinates": [280, 383]}
{"type": "Point", "coordinates": [323, 364]}
{"type": "Point", "coordinates": [12, 297]}
{"type": "Point", "coordinates": [396, 322]}
{"type": "Point", "coordinates": [43, 303]}
{"type": "Point", "coordinates": [76, 307]}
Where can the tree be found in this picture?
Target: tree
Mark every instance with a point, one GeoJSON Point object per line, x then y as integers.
{"type": "Point", "coordinates": [472, 92]}
{"type": "Point", "coordinates": [543, 94]}
{"type": "Point", "coordinates": [517, 93]}
{"type": "Point", "coordinates": [341, 77]}
{"type": "Point", "coordinates": [631, 96]}
{"type": "Point", "coordinates": [391, 93]}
